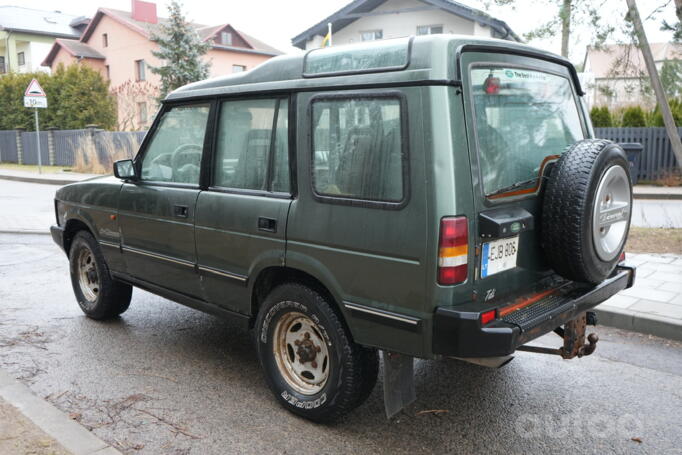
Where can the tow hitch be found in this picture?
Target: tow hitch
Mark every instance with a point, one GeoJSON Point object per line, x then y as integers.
{"type": "Point", "coordinates": [573, 334]}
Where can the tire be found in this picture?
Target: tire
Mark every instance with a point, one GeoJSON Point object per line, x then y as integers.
{"type": "Point", "coordinates": [97, 293]}
{"type": "Point", "coordinates": [577, 241]}
{"type": "Point", "coordinates": [327, 393]}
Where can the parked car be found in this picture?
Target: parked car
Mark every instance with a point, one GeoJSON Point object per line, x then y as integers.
{"type": "Point", "coordinates": [430, 197]}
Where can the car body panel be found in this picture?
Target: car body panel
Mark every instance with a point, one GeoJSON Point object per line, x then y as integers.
{"type": "Point", "coordinates": [158, 245]}
{"type": "Point", "coordinates": [230, 246]}
{"type": "Point", "coordinates": [378, 263]}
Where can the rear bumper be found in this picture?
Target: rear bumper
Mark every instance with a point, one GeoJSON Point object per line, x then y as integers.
{"type": "Point", "coordinates": [459, 333]}
{"type": "Point", "coordinates": [58, 235]}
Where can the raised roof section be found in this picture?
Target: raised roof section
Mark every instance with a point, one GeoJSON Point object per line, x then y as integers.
{"type": "Point", "coordinates": [377, 56]}
{"type": "Point", "coordinates": [429, 57]}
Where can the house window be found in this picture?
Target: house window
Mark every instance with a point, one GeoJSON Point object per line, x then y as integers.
{"type": "Point", "coordinates": [21, 59]}
{"type": "Point", "coordinates": [2, 65]}
{"type": "Point", "coordinates": [142, 110]}
{"type": "Point", "coordinates": [372, 35]}
{"type": "Point", "coordinates": [140, 70]}
{"type": "Point", "coordinates": [226, 38]}
{"type": "Point", "coordinates": [429, 29]}
{"type": "Point", "coordinates": [238, 68]}
{"type": "Point", "coordinates": [108, 71]}
{"type": "Point", "coordinates": [105, 40]}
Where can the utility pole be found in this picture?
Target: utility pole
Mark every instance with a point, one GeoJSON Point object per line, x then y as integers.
{"type": "Point", "coordinates": [668, 121]}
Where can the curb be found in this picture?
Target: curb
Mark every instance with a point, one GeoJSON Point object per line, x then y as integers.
{"type": "Point", "coordinates": [640, 322]}
{"type": "Point", "coordinates": [72, 436]}
{"type": "Point", "coordinates": [24, 232]}
{"type": "Point", "coordinates": [47, 181]}
{"type": "Point", "coordinates": [61, 182]}
{"type": "Point", "coordinates": [664, 196]}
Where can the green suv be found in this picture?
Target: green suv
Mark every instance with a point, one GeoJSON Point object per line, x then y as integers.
{"type": "Point", "coordinates": [429, 197]}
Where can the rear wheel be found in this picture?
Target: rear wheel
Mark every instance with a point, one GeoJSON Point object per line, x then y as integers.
{"type": "Point", "coordinates": [97, 293]}
{"type": "Point", "coordinates": [586, 210]}
{"type": "Point", "coordinates": [311, 364]}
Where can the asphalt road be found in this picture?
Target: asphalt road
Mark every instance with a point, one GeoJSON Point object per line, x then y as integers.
{"type": "Point", "coordinates": [167, 379]}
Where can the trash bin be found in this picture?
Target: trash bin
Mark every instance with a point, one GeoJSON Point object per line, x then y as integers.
{"type": "Point", "coordinates": [634, 152]}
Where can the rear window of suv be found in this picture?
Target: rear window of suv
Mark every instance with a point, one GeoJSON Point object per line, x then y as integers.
{"type": "Point", "coordinates": [521, 117]}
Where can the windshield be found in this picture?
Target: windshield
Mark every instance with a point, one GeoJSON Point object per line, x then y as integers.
{"type": "Point", "coordinates": [522, 116]}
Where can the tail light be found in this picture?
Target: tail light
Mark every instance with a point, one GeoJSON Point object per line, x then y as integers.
{"type": "Point", "coordinates": [453, 250]}
{"type": "Point", "coordinates": [487, 317]}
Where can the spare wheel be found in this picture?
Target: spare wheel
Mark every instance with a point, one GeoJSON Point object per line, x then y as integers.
{"type": "Point", "coordinates": [586, 210]}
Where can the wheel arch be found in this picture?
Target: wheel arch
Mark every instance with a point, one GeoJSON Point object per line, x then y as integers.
{"type": "Point", "coordinates": [71, 228]}
{"type": "Point", "coordinates": [271, 277]}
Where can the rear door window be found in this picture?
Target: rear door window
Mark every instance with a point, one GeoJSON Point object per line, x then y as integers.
{"type": "Point", "coordinates": [252, 148]}
{"type": "Point", "coordinates": [358, 149]}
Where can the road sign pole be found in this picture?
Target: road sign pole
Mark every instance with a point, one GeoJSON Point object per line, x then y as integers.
{"type": "Point", "coordinates": [40, 161]}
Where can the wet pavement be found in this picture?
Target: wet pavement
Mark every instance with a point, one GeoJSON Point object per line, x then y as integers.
{"type": "Point", "coordinates": [167, 379]}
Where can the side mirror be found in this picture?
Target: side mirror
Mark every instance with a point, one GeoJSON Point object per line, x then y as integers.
{"type": "Point", "coordinates": [125, 169]}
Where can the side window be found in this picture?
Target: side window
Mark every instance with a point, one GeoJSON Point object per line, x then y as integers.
{"type": "Point", "coordinates": [174, 152]}
{"type": "Point", "coordinates": [357, 149]}
{"type": "Point", "coordinates": [245, 149]}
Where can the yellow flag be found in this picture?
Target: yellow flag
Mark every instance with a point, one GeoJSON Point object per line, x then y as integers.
{"type": "Point", "coordinates": [327, 41]}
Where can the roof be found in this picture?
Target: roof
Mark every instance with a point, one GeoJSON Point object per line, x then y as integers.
{"type": "Point", "coordinates": [626, 60]}
{"type": "Point", "coordinates": [285, 73]}
{"type": "Point", "coordinates": [39, 22]}
{"type": "Point", "coordinates": [349, 14]}
{"type": "Point", "coordinates": [74, 48]}
{"type": "Point", "coordinates": [147, 30]}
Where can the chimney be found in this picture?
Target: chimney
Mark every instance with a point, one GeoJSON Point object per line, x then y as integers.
{"type": "Point", "coordinates": [144, 11]}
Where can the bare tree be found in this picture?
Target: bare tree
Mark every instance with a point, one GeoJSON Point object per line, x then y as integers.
{"type": "Point", "coordinates": [129, 96]}
{"type": "Point", "coordinates": [668, 121]}
{"type": "Point", "coordinates": [570, 15]}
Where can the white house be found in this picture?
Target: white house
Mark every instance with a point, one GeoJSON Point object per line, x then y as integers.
{"type": "Point", "coordinates": [368, 20]}
{"type": "Point", "coordinates": [613, 74]}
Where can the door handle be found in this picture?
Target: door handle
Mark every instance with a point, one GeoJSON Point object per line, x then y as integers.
{"type": "Point", "coordinates": [267, 224]}
{"type": "Point", "coordinates": [180, 211]}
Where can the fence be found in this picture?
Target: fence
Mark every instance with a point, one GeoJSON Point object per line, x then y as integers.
{"type": "Point", "coordinates": [657, 159]}
{"type": "Point", "coordinates": [63, 147]}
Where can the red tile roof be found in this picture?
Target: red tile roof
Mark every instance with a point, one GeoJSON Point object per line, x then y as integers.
{"type": "Point", "coordinates": [205, 32]}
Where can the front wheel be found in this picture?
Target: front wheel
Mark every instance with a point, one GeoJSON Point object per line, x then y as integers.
{"type": "Point", "coordinates": [98, 295]}
{"type": "Point", "coordinates": [311, 364]}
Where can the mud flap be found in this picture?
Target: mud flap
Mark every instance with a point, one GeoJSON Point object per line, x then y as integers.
{"type": "Point", "coordinates": [398, 382]}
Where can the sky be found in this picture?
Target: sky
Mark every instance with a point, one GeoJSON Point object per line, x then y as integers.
{"type": "Point", "coordinates": [277, 21]}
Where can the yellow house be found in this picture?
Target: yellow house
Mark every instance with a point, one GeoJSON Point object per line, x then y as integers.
{"type": "Point", "coordinates": [26, 36]}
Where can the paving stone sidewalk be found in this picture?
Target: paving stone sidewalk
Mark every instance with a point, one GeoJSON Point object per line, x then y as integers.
{"type": "Point", "coordinates": [654, 304]}
{"type": "Point", "coordinates": [21, 436]}
{"type": "Point", "coordinates": [31, 425]}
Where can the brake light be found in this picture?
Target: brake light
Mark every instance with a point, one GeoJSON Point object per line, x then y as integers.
{"type": "Point", "coordinates": [453, 250]}
{"type": "Point", "coordinates": [622, 257]}
{"type": "Point", "coordinates": [487, 317]}
{"type": "Point", "coordinates": [491, 85]}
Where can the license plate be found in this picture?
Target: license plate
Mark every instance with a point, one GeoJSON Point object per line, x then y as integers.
{"type": "Point", "coordinates": [499, 256]}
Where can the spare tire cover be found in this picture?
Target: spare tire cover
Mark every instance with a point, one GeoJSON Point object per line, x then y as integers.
{"type": "Point", "coordinates": [586, 210]}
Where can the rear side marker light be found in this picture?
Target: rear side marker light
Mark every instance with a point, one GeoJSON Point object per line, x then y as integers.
{"type": "Point", "coordinates": [622, 257]}
{"type": "Point", "coordinates": [487, 317]}
{"type": "Point", "coordinates": [453, 250]}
